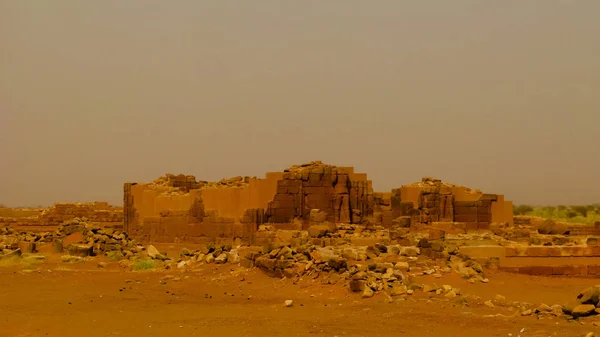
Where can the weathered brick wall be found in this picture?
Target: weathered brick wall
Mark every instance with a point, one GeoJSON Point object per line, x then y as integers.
{"type": "Point", "coordinates": [96, 212]}
{"type": "Point", "coordinates": [287, 199]}
{"type": "Point", "coordinates": [337, 191]}
{"type": "Point", "coordinates": [100, 213]}
{"type": "Point", "coordinates": [433, 201]}
{"type": "Point", "coordinates": [473, 211]}
{"type": "Point", "coordinates": [176, 208]}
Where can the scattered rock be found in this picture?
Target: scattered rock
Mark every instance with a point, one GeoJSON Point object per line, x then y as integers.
{"type": "Point", "coordinates": [357, 285]}
{"type": "Point", "coordinates": [590, 295]}
{"type": "Point", "coordinates": [450, 294]}
{"type": "Point", "coordinates": [32, 257]}
{"type": "Point", "coordinates": [185, 252]}
{"type": "Point", "coordinates": [154, 253]}
{"type": "Point", "coordinates": [368, 293]}
{"type": "Point", "coordinates": [288, 303]}
{"type": "Point", "coordinates": [71, 258]}
{"type": "Point", "coordinates": [210, 258]}
{"type": "Point", "coordinates": [8, 254]}
{"type": "Point", "coordinates": [583, 310]}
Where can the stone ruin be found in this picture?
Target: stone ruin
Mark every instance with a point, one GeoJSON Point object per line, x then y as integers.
{"type": "Point", "coordinates": [340, 194]}
{"type": "Point", "coordinates": [180, 208]}
{"type": "Point", "coordinates": [97, 212]}
{"type": "Point", "coordinates": [321, 222]}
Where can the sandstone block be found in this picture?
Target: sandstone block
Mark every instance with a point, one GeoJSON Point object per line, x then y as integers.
{"type": "Point", "coordinates": [73, 238]}
{"type": "Point", "coordinates": [437, 234]}
{"type": "Point", "coordinates": [590, 295]}
{"type": "Point", "coordinates": [221, 259]}
{"type": "Point", "coordinates": [8, 254]}
{"type": "Point", "coordinates": [246, 263]}
{"type": "Point", "coordinates": [318, 231]}
{"type": "Point", "coordinates": [357, 285]}
{"type": "Point", "coordinates": [57, 246]}
{"type": "Point", "coordinates": [594, 270]}
{"type": "Point", "coordinates": [27, 247]}
{"type": "Point", "coordinates": [543, 252]}
{"type": "Point", "coordinates": [542, 270]}
{"type": "Point", "coordinates": [265, 263]}
{"type": "Point", "coordinates": [80, 250]}
{"type": "Point", "coordinates": [368, 293]}
{"type": "Point", "coordinates": [583, 310]}
{"type": "Point", "coordinates": [398, 290]}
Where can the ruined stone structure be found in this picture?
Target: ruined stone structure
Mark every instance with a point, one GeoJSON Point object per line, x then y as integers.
{"type": "Point", "coordinates": [100, 213]}
{"type": "Point", "coordinates": [344, 196]}
{"type": "Point", "coordinates": [431, 200]}
{"type": "Point", "coordinates": [180, 208]}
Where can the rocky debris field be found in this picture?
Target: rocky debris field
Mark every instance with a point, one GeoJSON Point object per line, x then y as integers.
{"type": "Point", "coordinates": [424, 272]}
{"type": "Point", "coordinates": [388, 269]}
{"type": "Point", "coordinates": [587, 303]}
{"type": "Point", "coordinates": [226, 299]}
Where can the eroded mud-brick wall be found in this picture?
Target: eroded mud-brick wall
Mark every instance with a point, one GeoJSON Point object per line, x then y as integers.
{"type": "Point", "coordinates": [345, 196]}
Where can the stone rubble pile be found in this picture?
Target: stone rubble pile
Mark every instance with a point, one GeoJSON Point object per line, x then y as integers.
{"type": "Point", "coordinates": [77, 237]}
{"type": "Point", "coordinates": [13, 243]}
{"type": "Point", "coordinates": [373, 268]}
{"type": "Point", "coordinates": [172, 184]}
{"type": "Point", "coordinates": [587, 303]}
{"type": "Point", "coordinates": [363, 269]}
{"type": "Point", "coordinates": [80, 238]}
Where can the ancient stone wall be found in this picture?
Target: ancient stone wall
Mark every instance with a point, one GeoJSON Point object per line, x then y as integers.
{"type": "Point", "coordinates": [433, 201]}
{"type": "Point", "coordinates": [178, 208]}
{"type": "Point", "coordinates": [344, 196]}
{"type": "Point", "coordinates": [100, 213]}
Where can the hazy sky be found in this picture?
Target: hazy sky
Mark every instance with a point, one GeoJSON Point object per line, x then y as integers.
{"type": "Point", "coordinates": [503, 96]}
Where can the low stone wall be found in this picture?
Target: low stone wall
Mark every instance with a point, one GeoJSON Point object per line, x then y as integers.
{"type": "Point", "coordinates": [100, 213]}
{"type": "Point", "coordinates": [540, 260]}
{"type": "Point", "coordinates": [581, 270]}
{"type": "Point", "coordinates": [169, 230]}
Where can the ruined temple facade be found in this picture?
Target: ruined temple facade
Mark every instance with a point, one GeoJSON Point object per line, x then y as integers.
{"type": "Point", "coordinates": [180, 208]}
{"type": "Point", "coordinates": [345, 196]}
{"type": "Point", "coordinates": [432, 200]}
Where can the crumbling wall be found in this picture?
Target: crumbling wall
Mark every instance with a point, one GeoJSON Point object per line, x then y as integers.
{"type": "Point", "coordinates": [98, 212]}
{"type": "Point", "coordinates": [179, 208]}
{"type": "Point", "coordinates": [346, 197]}
{"type": "Point", "coordinates": [234, 201]}
{"type": "Point", "coordinates": [431, 200]}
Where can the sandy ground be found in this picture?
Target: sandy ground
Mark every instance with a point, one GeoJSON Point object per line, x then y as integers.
{"type": "Point", "coordinates": [58, 299]}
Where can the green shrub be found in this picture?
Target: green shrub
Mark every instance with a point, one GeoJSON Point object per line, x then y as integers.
{"type": "Point", "coordinates": [114, 256]}
{"type": "Point", "coordinates": [144, 264]}
{"type": "Point", "coordinates": [575, 214]}
{"type": "Point", "coordinates": [522, 209]}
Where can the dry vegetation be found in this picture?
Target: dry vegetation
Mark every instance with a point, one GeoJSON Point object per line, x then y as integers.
{"type": "Point", "coordinates": [575, 214]}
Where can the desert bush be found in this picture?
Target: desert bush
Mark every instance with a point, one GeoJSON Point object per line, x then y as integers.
{"type": "Point", "coordinates": [522, 209]}
{"type": "Point", "coordinates": [144, 264]}
{"type": "Point", "coordinates": [114, 255]}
